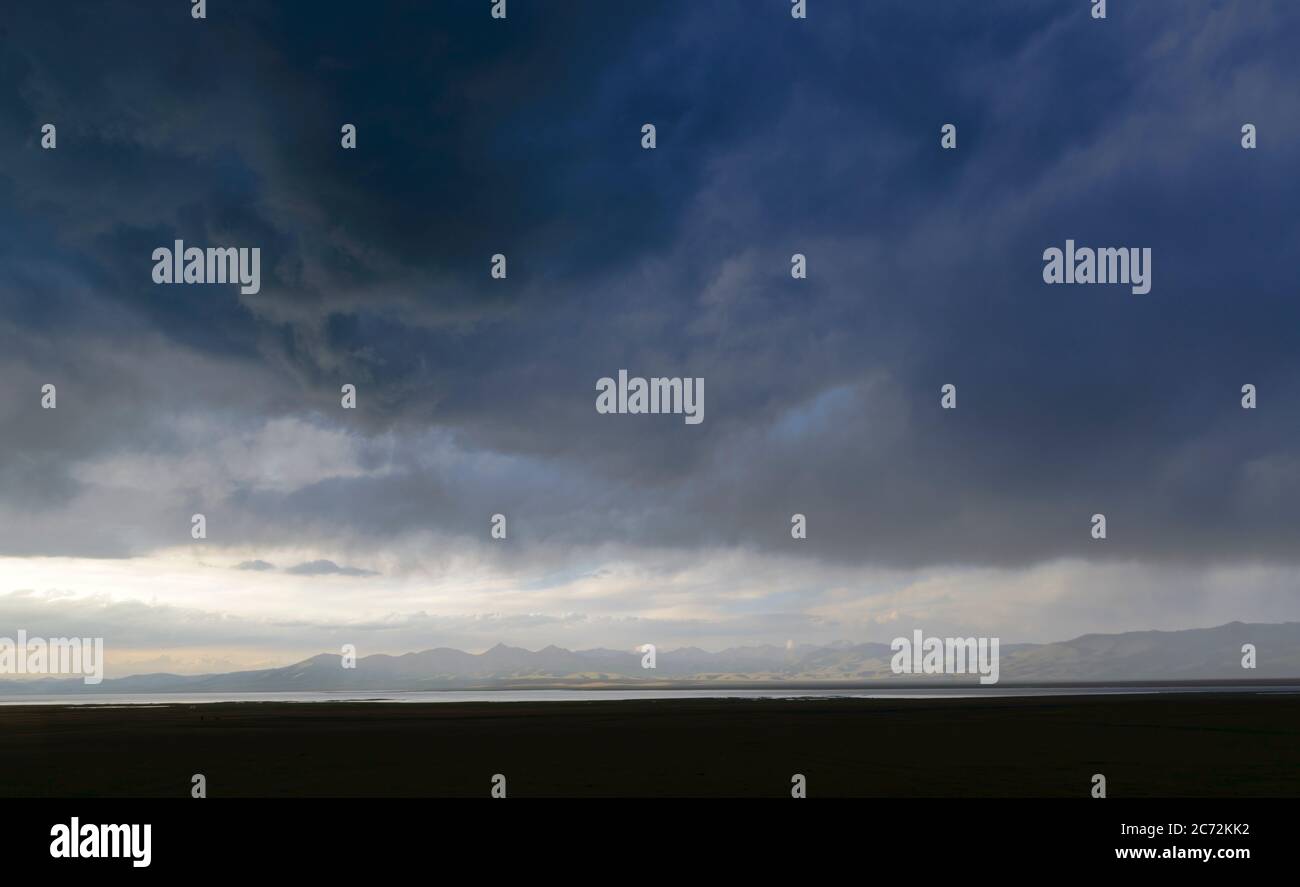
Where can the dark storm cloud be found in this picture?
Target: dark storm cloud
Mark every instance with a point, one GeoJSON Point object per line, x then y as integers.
{"type": "Point", "coordinates": [775, 136]}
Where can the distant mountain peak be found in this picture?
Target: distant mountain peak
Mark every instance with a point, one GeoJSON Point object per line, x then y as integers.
{"type": "Point", "coordinates": [1193, 654]}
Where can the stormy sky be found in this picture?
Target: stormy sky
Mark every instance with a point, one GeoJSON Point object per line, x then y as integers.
{"type": "Point", "coordinates": [475, 395]}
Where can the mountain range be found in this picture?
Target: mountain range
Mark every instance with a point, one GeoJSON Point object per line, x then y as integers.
{"type": "Point", "coordinates": [1190, 655]}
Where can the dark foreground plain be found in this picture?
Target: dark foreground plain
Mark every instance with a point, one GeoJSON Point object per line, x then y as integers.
{"type": "Point", "coordinates": [1184, 745]}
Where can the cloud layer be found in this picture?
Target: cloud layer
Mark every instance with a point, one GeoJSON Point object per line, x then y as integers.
{"type": "Point", "coordinates": [475, 396]}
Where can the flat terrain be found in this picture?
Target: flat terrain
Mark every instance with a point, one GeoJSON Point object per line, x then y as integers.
{"type": "Point", "coordinates": [1193, 745]}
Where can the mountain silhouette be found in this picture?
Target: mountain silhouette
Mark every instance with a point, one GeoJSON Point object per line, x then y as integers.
{"type": "Point", "coordinates": [1190, 655]}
